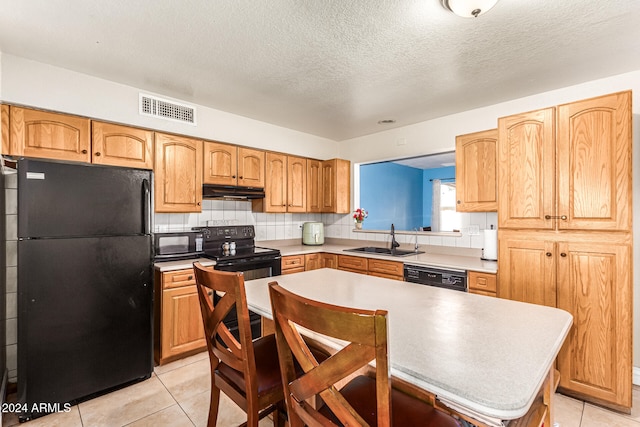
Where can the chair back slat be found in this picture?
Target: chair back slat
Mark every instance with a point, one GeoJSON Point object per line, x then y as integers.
{"type": "Point", "coordinates": [365, 334]}
{"type": "Point", "coordinates": [238, 354]}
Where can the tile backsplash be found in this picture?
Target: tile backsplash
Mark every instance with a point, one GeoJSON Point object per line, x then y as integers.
{"type": "Point", "coordinates": [283, 226]}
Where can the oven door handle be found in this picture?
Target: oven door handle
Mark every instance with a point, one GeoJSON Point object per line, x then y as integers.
{"type": "Point", "coordinates": [245, 262]}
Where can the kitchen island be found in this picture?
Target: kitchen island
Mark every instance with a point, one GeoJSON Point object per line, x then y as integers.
{"type": "Point", "coordinates": [486, 358]}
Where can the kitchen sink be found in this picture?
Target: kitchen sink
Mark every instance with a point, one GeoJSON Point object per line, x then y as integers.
{"type": "Point", "coordinates": [384, 251]}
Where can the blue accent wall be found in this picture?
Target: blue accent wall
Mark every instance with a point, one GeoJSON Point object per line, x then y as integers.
{"type": "Point", "coordinates": [381, 198]}
{"type": "Point", "coordinates": [428, 175]}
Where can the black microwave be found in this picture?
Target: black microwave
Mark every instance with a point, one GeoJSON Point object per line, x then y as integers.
{"type": "Point", "coordinates": [178, 245]}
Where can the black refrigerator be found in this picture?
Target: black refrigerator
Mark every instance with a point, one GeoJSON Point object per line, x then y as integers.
{"type": "Point", "coordinates": [85, 291]}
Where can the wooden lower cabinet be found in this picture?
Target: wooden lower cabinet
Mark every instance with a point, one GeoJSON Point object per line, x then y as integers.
{"type": "Point", "coordinates": [354, 264]}
{"type": "Point", "coordinates": [482, 283]}
{"type": "Point", "coordinates": [387, 269]}
{"type": "Point", "coordinates": [589, 276]}
{"type": "Point", "coordinates": [293, 264]}
{"type": "Point", "coordinates": [594, 285]}
{"type": "Point", "coordinates": [328, 260]}
{"type": "Point", "coordinates": [312, 261]}
{"type": "Point", "coordinates": [178, 322]}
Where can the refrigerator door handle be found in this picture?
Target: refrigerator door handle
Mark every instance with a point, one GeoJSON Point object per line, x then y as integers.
{"type": "Point", "coordinates": [146, 222]}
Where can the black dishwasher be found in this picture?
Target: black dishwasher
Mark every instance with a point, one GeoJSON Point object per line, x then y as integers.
{"type": "Point", "coordinates": [449, 279]}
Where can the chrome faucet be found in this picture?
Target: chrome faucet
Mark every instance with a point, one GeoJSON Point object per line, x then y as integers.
{"type": "Point", "coordinates": [394, 243]}
{"type": "Point", "coordinates": [417, 247]}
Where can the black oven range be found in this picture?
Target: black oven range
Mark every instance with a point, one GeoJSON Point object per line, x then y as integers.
{"type": "Point", "coordinates": [233, 248]}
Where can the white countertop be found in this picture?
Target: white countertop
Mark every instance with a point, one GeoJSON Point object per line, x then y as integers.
{"type": "Point", "coordinates": [428, 259]}
{"type": "Point", "coordinates": [182, 264]}
{"type": "Point", "coordinates": [488, 355]}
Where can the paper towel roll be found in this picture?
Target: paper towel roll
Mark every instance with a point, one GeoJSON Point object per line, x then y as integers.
{"type": "Point", "coordinates": [490, 250]}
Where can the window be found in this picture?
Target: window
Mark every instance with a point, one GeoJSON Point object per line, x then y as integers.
{"type": "Point", "coordinates": [445, 217]}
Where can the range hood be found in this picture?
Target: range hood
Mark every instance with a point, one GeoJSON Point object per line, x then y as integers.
{"type": "Point", "coordinates": [231, 192]}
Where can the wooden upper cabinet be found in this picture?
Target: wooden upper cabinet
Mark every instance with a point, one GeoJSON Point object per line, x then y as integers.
{"type": "Point", "coordinates": [314, 185]}
{"type": "Point", "coordinates": [476, 173]}
{"type": "Point", "coordinates": [275, 185]}
{"type": "Point", "coordinates": [250, 167]}
{"type": "Point", "coordinates": [588, 185]}
{"type": "Point", "coordinates": [220, 163]}
{"type": "Point", "coordinates": [296, 184]}
{"type": "Point", "coordinates": [329, 186]}
{"type": "Point", "coordinates": [594, 163]}
{"type": "Point", "coordinates": [4, 128]}
{"type": "Point", "coordinates": [336, 186]}
{"type": "Point", "coordinates": [526, 173]}
{"type": "Point", "coordinates": [178, 174]}
{"type": "Point", "coordinates": [35, 133]}
{"type": "Point", "coordinates": [226, 164]}
{"type": "Point", "coordinates": [285, 184]}
{"type": "Point", "coordinates": [119, 145]}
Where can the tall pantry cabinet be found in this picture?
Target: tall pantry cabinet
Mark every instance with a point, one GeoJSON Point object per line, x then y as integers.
{"type": "Point", "coordinates": [565, 238]}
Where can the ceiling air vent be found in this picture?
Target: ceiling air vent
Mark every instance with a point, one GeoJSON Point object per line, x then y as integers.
{"type": "Point", "coordinates": [168, 110]}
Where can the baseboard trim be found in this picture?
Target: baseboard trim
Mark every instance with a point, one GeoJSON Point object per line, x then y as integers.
{"type": "Point", "coordinates": [636, 375]}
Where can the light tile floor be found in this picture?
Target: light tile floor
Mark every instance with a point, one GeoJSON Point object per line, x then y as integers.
{"type": "Point", "coordinates": [177, 395]}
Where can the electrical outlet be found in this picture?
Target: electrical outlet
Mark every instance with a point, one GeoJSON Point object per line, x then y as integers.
{"type": "Point", "coordinates": [474, 230]}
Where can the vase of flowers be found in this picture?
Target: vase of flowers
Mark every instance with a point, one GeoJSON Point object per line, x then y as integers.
{"type": "Point", "coordinates": [358, 216]}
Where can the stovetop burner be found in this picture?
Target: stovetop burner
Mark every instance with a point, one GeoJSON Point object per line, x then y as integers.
{"type": "Point", "coordinates": [234, 242]}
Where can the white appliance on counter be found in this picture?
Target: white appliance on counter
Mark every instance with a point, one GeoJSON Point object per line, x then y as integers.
{"type": "Point", "coordinates": [312, 233]}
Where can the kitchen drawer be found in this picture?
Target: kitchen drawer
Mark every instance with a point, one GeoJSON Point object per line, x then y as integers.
{"type": "Point", "coordinates": [178, 278]}
{"type": "Point", "coordinates": [292, 262]}
{"type": "Point", "coordinates": [485, 282]}
{"type": "Point", "coordinates": [293, 270]}
{"type": "Point", "coordinates": [387, 268]}
{"type": "Point", "coordinates": [352, 263]}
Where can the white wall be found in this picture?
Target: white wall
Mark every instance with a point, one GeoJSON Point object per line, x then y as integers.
{"type": "Point", "coordinates": [31, 83]}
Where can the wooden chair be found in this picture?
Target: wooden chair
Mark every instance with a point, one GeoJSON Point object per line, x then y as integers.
{"type": "Point", "coordinates": [363, 401]}
{"type": "Point", "coordinates": [247, 371]}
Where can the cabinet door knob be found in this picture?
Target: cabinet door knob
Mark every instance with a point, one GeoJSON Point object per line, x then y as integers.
{"type": "Point", "coordinates": [233, 176]}
{"type": "Point", "coordinates": [563, 254]}
{"type": "Point", "coordinates": [547, 217]}
{"type": "Point", "coordinates": [240, 177]}
{"type": "Point", "coordinates": [84, 151]}
{"type": "Point", "coordinates": [459, 202]}
{"type": "Point", "coordinates": [548, 254]}
{"type": "Point", "coordinates": [563, 217]}
{"type": "Point", "coordinates": [97, 154]}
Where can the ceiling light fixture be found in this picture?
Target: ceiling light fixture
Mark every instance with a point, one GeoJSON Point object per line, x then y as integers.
{"type": "Point", "coordinates": [469, 8]}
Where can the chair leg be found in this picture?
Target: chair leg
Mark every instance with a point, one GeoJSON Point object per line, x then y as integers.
{"type": "Point", "coordinates": [253, 418]}
{"type": "Point", "coordinates": [279, 415]}
{"type": "Point", "coordinates": [214, 404]}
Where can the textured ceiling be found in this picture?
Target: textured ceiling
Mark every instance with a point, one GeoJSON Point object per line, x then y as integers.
{"type": "Point", "coordinates": [329, 67]}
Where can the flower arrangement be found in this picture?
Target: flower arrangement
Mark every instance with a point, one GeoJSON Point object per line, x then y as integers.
{"type": "Point", "coordinates": [359, 215]}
